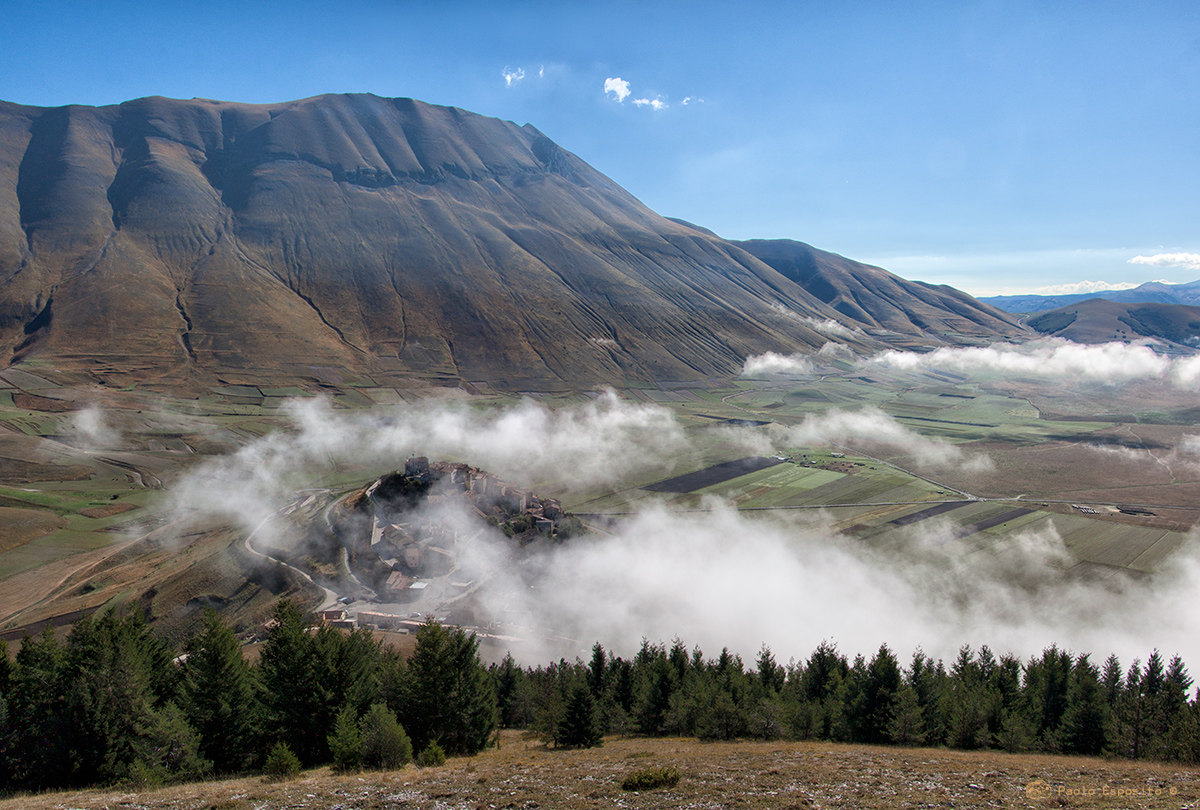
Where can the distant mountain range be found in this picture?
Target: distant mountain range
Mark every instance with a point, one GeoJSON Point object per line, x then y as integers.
{"type": "Point", "coordinates": [1155, 292]}
{"type": "Point", "coordinates": [167, 240]}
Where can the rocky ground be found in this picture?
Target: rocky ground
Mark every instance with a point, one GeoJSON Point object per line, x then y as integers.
{"type": "Point", "coordinates": [525, 774]}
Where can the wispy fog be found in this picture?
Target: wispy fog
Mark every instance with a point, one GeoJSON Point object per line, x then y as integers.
{"type": "Point", "coordinates": [873, 425]}
{"type": "Point", "coordinates": [718, 578]}
{"type": "Point", "coordinates": [92, 431]}
{"type": "Point", "coordinates": [601, 442]}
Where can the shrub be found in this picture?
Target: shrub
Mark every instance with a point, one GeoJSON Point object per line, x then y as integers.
{"type": "Point", "coordinates": [143, 776]}
{"type": "Point", "coordinates": [651, 778]}
{"type": "Point", "coordinates": [384, 742]}
{"type": "Point", "coordinates": [432, 756]}
{"type": "Point", "coordinates": [281, 764]}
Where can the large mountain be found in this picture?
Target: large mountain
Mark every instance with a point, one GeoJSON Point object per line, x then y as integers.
{"type": "Point", "coordinates": [168, 239]}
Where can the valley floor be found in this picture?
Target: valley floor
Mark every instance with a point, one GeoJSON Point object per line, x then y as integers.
{"type": "Point", "coordinates": [522, 773]}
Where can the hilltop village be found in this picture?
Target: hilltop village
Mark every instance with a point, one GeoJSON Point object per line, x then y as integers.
{"type": "Point", "coordinates": [407, 527]}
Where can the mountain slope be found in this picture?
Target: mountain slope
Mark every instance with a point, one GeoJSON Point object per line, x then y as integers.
{"type": "Point", "coordinates": [879, 300]}
{"type": "Point", "coordinates": [1099, 321]}
{"type": "Point", "coordinates": [167, 239]}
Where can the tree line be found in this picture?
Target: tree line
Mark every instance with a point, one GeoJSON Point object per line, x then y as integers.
{"type": "Point", "coordinates": [113, 703]}
{"type": "Point", "coordinates": [1054, 702]}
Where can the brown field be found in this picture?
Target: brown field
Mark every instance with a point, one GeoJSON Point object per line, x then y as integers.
{"type": "Point", "coordinates": [523, 773]}
{"type": "Point", "coordinates": [19, 526]}
{"type": "Point", "coordinates": [107, 510]}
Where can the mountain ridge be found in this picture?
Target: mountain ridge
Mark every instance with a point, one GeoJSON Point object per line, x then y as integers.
{"type": "Point", "coordinates": [876, 298]}
{"type": "Point", "coordinates": [1157, 292]}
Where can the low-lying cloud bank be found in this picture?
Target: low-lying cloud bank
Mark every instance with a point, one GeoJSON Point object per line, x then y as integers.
{"type": "Point", "coordinates": [723, 580]}
{"type": "Point", "coordinates": [1046, 358]}
{"type": "Point", "coordinates": [718, 578]}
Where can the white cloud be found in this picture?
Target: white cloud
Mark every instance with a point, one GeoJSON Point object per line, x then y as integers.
{"type": "Point", "coordinates": [1189, 260]}
{"type": "Point", "coordinates": [1084, 287]}
{"type": "Point", "coordinates": [542, 71]}
{"type": "Point", "coordinates": [618, 87]}
{"type": "Point", "coordinates": [875, 426]}
{"type": "Point", "coordinates": [691, 100]}
{"type": "Point", "coordinates": [1185, 372]}
{"type": "Point", "coordinates": [93, 431]}
{"type": "Point", "coordinates": [775, 363]}
{"type": "Point", "coordinates": [831, 327]}
{"type": "Point", "coordinates": [512, 75]}
{"type": "Point", "coordinates": [1049, 357]}
{"type": "Point", "coordinates": [653, 103]}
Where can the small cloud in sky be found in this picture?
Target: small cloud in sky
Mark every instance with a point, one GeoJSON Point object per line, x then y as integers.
{"type": "Point", "coordinates": [653, 103]}
{"type": "Point", "coordinates": [513, 75]}
{"type": "Point", "coordinates": [1189, 260]}
{"type": "Point", "coordinates": [690, 100]}
{"type": "Point", "coordinates": [541, 71]}
{"type": "Point", "coordinates": [618, 87]}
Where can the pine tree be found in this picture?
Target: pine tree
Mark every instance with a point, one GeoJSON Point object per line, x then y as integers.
{"type": "Point", "coordinates": [507, 677]}
{"type": "Point", "coordinates": [1085, 721]}
{"type": "Point", "coordinates": [450, 696]}
{"type": "Point", "coordinates": [966, 699]}
{"type": "Point", "coordinates": [598, 671]}
{"type": "Point", "coordinates": [770, 674]}
{"type": "Point", "coordinates": [907, 723]}
{"type": "Point", "coordinates": [879, 687]}
{"type": "Point", "coordinates": [38, 756]}
{"type": "Point", "coordinates": [345, 743]}
{"type": "Point", "coordinates": [112, 710]}
{"type": "Point", "coordinates": [578, 728]}
{"type": "Point", "coordinates": [658, 682]}
{"type": "Point", "coordinates": [171, 746]}
{"type": "Point", "coordinates": [218, 693]}
{"type": "Point", "coordinates": [6, 668]}
{"type": "Point", "coordinates": [293, 707]}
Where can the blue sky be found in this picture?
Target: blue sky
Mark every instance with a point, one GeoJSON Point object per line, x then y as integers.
{"type": "Point", "coordinates": [996, 146]}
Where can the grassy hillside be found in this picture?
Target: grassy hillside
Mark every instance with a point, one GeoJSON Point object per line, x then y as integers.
{"type": "Point", "coordinates": [523, 773]}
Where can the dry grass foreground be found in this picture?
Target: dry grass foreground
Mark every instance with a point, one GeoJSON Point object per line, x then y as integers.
{"type": "Point", "coordinates": [525, 774]}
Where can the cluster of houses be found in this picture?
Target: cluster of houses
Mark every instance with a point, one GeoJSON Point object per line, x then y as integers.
{"type": "Point", "coordinates": [417, 543]}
